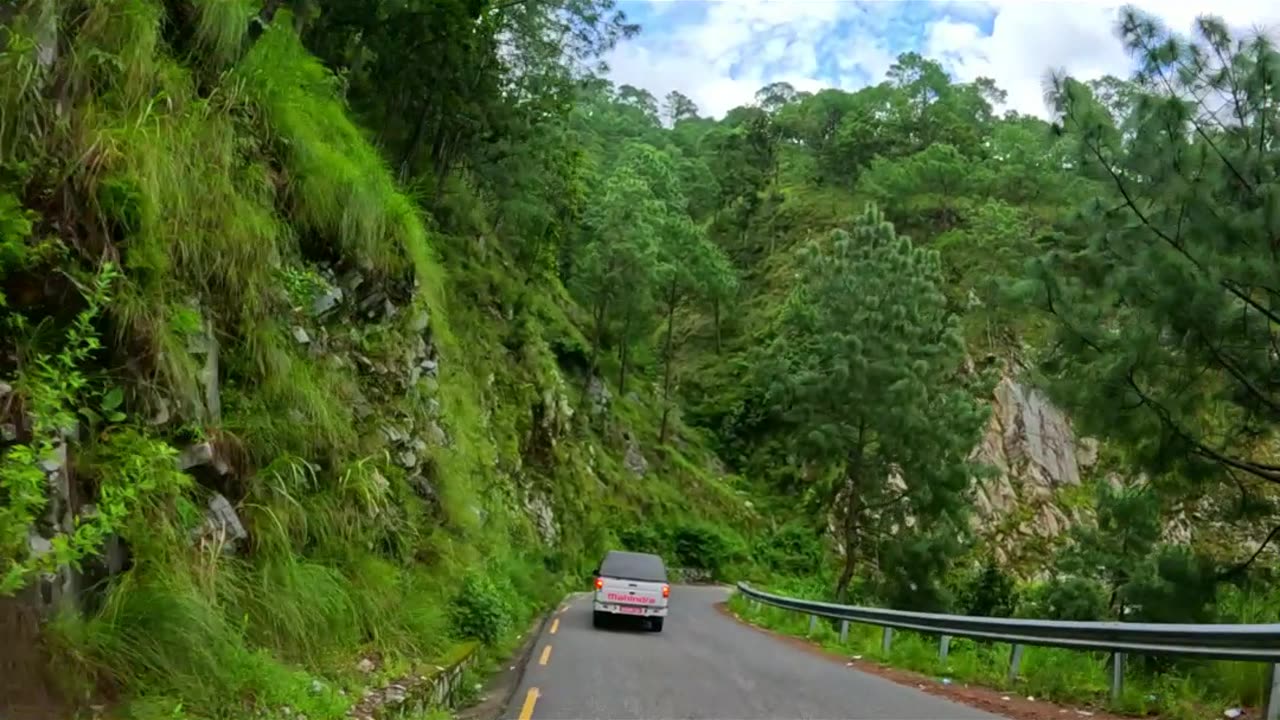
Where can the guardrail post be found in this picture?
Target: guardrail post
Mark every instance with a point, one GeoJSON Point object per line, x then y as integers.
{"type": "Point", "coordinates": [944, 646]}
{"type": "Point", "coordinates": [886, 640]}
{"type": "Point", "coordinates": [813, 623]}
{"type": "Point", "coordinates": [1117, 676]}
{"type": "Point", "coordinates": [1015, 659]}
{"type": "Point", "coordinates": [844, 631]}
{"type": "Point", "coordinates": [1273, 703]}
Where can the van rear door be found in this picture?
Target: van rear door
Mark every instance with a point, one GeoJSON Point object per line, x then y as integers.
{"type": "Point", "coordinates": [631, 597]}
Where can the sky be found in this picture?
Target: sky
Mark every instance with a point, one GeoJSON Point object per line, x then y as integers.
{"type": "Point", "coordinates": [719, 52]}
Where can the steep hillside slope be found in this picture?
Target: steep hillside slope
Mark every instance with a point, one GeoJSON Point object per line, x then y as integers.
{"type": "Point", "coordinates": [260, 418]}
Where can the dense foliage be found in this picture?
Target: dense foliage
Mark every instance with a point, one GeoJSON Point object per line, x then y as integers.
{"type": "Point", "coordinates": [420, 294]}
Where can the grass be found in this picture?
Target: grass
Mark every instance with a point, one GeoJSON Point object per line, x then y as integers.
{"type": "Point", "coordinates": [1181, 691]}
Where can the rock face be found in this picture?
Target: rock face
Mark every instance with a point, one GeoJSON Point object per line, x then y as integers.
{"type": "Point", "coordinates": [633, 459]}
{"type": "Point", "coordinates": [221, 527]}
{"type": "Point", "coordinates": [544, 518]}
{"type": "Point", "coordinates": [1034, 452]}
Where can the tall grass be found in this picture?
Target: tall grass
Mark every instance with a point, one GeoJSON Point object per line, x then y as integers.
{"type": "Point", "coordinates": [339, 187]}
{"type": "Point", "coordinates": [160, 635]}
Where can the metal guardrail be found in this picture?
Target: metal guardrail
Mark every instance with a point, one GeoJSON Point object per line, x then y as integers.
{"type": "Point", "coordinates": [1258, 643]}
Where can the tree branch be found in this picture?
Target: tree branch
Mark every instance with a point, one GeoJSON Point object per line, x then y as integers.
{"type": "Point", "coordinates": [1241, 567]}
{"type": "Point", "coordinates": [1270, 473]}
{"type": "Point", "coordinates": [1171, 242]}
{"type": "Point", "coordinates": [1198, 128]}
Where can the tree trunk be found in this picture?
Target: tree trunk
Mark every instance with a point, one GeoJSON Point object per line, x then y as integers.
{"type": "Point", "coordinates": [623, 352]}
{"type": "Point", "coordinates": [443, 164]}
{"type": "Point", "coordinates": [666, 356]}
{"type": "Point", "coordinates": [850, 532]}
{"type": "Point", "coordinates": [415, 142]}
{"type": "Point", "coordinates": [597, 338]}
{"type": "Point", "coordinates": [853, 477]}
{"type": "Point", "coordinates": [597, 335]}
{"type": "Point", "coordinates": [846, 575]}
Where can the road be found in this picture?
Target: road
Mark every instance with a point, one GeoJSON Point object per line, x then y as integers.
{"type": "Point", "coordinates": [703, 665]}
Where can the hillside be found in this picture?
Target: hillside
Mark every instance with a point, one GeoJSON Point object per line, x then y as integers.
{"type": "Point", "coordinates": [340, 340]}
{"type": "Point", "coordinates": [263, 416]}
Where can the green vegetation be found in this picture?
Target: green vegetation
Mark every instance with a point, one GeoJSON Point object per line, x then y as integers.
{"type": "Point", "coordinates": [867, 355]}
{"type": "Point", "coordinates": [1184, 690]}
{"type": "Point", "coordinates": [338, 341]}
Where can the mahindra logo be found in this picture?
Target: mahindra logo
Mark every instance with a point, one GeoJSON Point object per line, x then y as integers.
{"type": "Point", "coordinates": [628, 598]}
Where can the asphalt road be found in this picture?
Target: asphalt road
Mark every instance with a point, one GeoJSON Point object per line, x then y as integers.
{"type": "Point", "coordinates": [702, 665]}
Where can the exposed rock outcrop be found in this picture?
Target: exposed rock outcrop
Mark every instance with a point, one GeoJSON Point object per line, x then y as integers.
{"type": "Point", "coordinates": [1034, 452]}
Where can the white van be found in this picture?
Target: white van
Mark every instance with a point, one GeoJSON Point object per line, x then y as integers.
{"type": "Point", "coordinates": [631, 584]}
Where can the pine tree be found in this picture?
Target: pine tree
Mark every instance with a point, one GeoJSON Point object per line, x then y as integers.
{"type": "Point", "coordinates": [867, 364]}
{"type": "Point", "coordinates": [1142, 578]}
{"type": "Point", "coordinates": [1116, 548]}
{"type": "Point", "coordinates": [1165, 292]}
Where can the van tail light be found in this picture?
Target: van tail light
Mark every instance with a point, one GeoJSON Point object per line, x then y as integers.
{"type": "Point", "coordinates": [599, 583]}
{"type": "Point", "coordinates": [666, 591]}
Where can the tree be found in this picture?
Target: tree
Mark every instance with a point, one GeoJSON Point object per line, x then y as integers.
{"type": "Point", "coordinates": [639, 98]}
{"type": "Point", "coordinates": [1163, 292]}
{"type": "Point", "coordinates": [442, 81]}
{"type": "Point", "coordinates": [690, 266]}
{"type": "Point", "coordinates": [678, 106]}
{"type": "Point", "coordinates": [617, 266]}
{"type": "Point", "coordinates": [867, 366]}
{"type": "Point", "coordinates": [774, 96]}
{"type": "Point", "coordinates": [931, 187]}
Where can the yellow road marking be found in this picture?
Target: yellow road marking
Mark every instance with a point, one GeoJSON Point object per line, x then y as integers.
{"type": "Point", "coordinates": [546, 655]}
{"type": "Point", "coordinates": [530, 699]}
{"type": "Point", "coordinates": [555, 625]}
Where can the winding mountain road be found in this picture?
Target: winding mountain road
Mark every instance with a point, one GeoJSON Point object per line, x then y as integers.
{"type": "Point", "coordinates": [703, 665]}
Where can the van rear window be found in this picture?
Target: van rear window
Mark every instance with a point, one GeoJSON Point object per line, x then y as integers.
{"type": "Point", "coordinates": [633, 566]}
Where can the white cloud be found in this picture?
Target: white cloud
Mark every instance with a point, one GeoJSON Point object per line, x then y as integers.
{"type": "Point", "coordinates": [735, 47]}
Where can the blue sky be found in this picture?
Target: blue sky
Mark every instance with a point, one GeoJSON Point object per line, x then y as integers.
{"type": "Point", "coordinates": [719, 52]}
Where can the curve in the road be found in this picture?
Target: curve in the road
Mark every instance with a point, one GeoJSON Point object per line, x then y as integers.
{"type": "Point", "coordinates": [703, 665]}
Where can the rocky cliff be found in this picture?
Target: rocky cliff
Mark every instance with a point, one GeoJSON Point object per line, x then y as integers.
{"type": "Point", "coordinates": [1038, 464]}
{"type": "Point", "coordinates": [1042, 485]}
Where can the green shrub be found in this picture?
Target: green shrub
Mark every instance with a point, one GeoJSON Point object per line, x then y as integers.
{"type": "Point", "coordinates": [1181, 588]}
{"type": "Point", "coordinates": [987, 591]}
{"type": "Point", "coordinates": [792, 549]}
{"type": "Point", "coordinates": [481, 611]}
{"type": "Point", "coordinates": [911, 568]}
{"type": "Point", "coordinates": [1071, 598]}
{"type": "Point", "coordinates": [707, 547]}
{"type": "Point", "coordinates": [643, 538]}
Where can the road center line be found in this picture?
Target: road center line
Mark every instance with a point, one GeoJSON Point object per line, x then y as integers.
{"type": "Point", "coordinates": [546, 655]}
{"type": "Point", "coordinates": [555, 625]}
{"type": "Point", "coordinates": [530, 699]}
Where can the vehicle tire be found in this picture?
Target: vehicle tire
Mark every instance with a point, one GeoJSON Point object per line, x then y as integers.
{"type": "Point", "coordinates": [656, 624]}
{"type": "Point", "coordinates": [597, 619]}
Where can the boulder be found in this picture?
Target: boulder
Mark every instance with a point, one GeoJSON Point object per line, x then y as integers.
{"type": "Point", "coordinates": [326, 301]}
{"type": "Point", "coordinates": [221, 524]}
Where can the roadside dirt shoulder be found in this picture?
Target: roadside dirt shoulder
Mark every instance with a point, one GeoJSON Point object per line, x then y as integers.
{"type": "Point", "coordinates": [1008, 704]}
